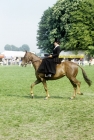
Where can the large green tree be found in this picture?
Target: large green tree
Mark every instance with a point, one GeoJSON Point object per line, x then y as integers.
{"type": "Point", "coordinates": [72, 21]}
{"type": "Point", "coordinates": [43, 34]}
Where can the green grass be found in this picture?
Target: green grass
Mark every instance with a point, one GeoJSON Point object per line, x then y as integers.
{"type": "Point", "coordinates": [58, 118]}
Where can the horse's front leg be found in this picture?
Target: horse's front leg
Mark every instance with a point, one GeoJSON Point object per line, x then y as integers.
{"type": "Point", "coordinates": [32, 85]}
{"type": "Point", "coordinates": [45, 87]}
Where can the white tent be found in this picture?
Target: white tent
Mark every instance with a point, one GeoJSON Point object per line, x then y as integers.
{"type": "Point", "coordinates": [13, 54]}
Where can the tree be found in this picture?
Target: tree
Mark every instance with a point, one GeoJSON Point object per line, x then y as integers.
{"type": "Point", "coordinates": [72, 21]}
{"type": "Point", "coordinates": [10, 48]}
{"type": "Point", "coordinates": [24, 47]}
{"type": "Point", "coordinates": [14, 48]}
{"type": "Point", "coordinates": [79, 35]}
{"type": "Point", "coordinates": [7, 47]}
{"type": "Point", "coordinates": [43, 34]}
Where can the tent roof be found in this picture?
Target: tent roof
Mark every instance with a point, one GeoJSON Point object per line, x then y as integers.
{"type": "Point", "coordinates": [71, 54]}
{"type": "Point", "coordinates": [13, 54]}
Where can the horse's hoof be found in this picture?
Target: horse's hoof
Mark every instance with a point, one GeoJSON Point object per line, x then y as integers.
{"type": "Point", "coordinates": [32, 96]}
{"type": "Point", "coordinates": [71, 98]}
{"type": "Point", "coordinates": [46, 98]}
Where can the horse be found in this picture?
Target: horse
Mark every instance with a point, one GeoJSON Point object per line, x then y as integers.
{"type": "Point", "coordinates": [65, 68]}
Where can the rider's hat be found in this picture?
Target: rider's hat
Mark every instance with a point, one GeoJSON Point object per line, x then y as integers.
{"type": "Point", "coordinates": [57, 41]}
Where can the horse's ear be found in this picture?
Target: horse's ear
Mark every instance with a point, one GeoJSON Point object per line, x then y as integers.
{"type": "Point", "coordinates": [26, 51]}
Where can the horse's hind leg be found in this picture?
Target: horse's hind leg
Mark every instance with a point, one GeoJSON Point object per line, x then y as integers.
{"type": "Point", "coordinates": [76, 85]}
{"type": "Point", "coordinates": [32, 85]}
{"type": "Point", "coordinates": [75, 89]}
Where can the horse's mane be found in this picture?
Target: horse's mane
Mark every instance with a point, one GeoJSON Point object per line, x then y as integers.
{"type": "Point", "coordinates": [35, 55]}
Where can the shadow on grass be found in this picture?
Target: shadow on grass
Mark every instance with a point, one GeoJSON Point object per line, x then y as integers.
{"type": "Point", "coordinates": [57, 97]}
{"type": "Point", "coordinates": [15, 95]}
{"type": "Point", "coordinates": [36, 96]}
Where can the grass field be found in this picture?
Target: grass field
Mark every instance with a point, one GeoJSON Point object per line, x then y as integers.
{"type": "Point", "coordinates": [58, 118]}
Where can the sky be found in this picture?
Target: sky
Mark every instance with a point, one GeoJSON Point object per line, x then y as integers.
{"type": "Point", "coordinates": [19, 21]}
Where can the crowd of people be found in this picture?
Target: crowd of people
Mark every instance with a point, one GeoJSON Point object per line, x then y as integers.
{"type": "Point", "coordinates": [83, 61]}
{"type": "Point", "coordinates": [17, 61]}
{"type": "Point", "coordinates": [11, 61]}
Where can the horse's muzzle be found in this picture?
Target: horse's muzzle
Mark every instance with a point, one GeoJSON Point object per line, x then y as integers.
{"type": "Point", "coordinates": [23, 64]}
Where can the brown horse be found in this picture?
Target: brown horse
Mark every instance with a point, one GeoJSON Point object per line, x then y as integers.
{"type": "Point", "coordinates": [67, 68]}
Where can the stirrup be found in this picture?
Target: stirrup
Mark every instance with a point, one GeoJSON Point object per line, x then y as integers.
{"type": "Point", "coordinates": [48, 75]}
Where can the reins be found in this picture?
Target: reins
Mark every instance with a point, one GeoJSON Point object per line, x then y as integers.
{"type": "Point", "coordinates": [36, 61]}
{"type": "Point", "coordinates": [39, 60]}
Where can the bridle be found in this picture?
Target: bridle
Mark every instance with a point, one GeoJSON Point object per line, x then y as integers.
{"type": "Point", "coordinates": [33, 61]}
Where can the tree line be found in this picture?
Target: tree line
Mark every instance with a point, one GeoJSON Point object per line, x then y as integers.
{"type": "Point", "coordinates": [72, 22]}
{"type": "Point", "coordinates": [24, 47]}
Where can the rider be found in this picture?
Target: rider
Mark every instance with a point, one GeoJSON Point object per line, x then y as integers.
{"type": "Point", "coordinates": [48, 65]}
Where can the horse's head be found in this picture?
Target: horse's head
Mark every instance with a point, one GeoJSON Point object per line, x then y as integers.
{"type": "Point", "coordinates": [26, 59]}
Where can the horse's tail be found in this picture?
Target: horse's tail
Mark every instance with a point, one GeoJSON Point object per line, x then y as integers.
{"type": "Point", "coordinates": [88, 81]}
